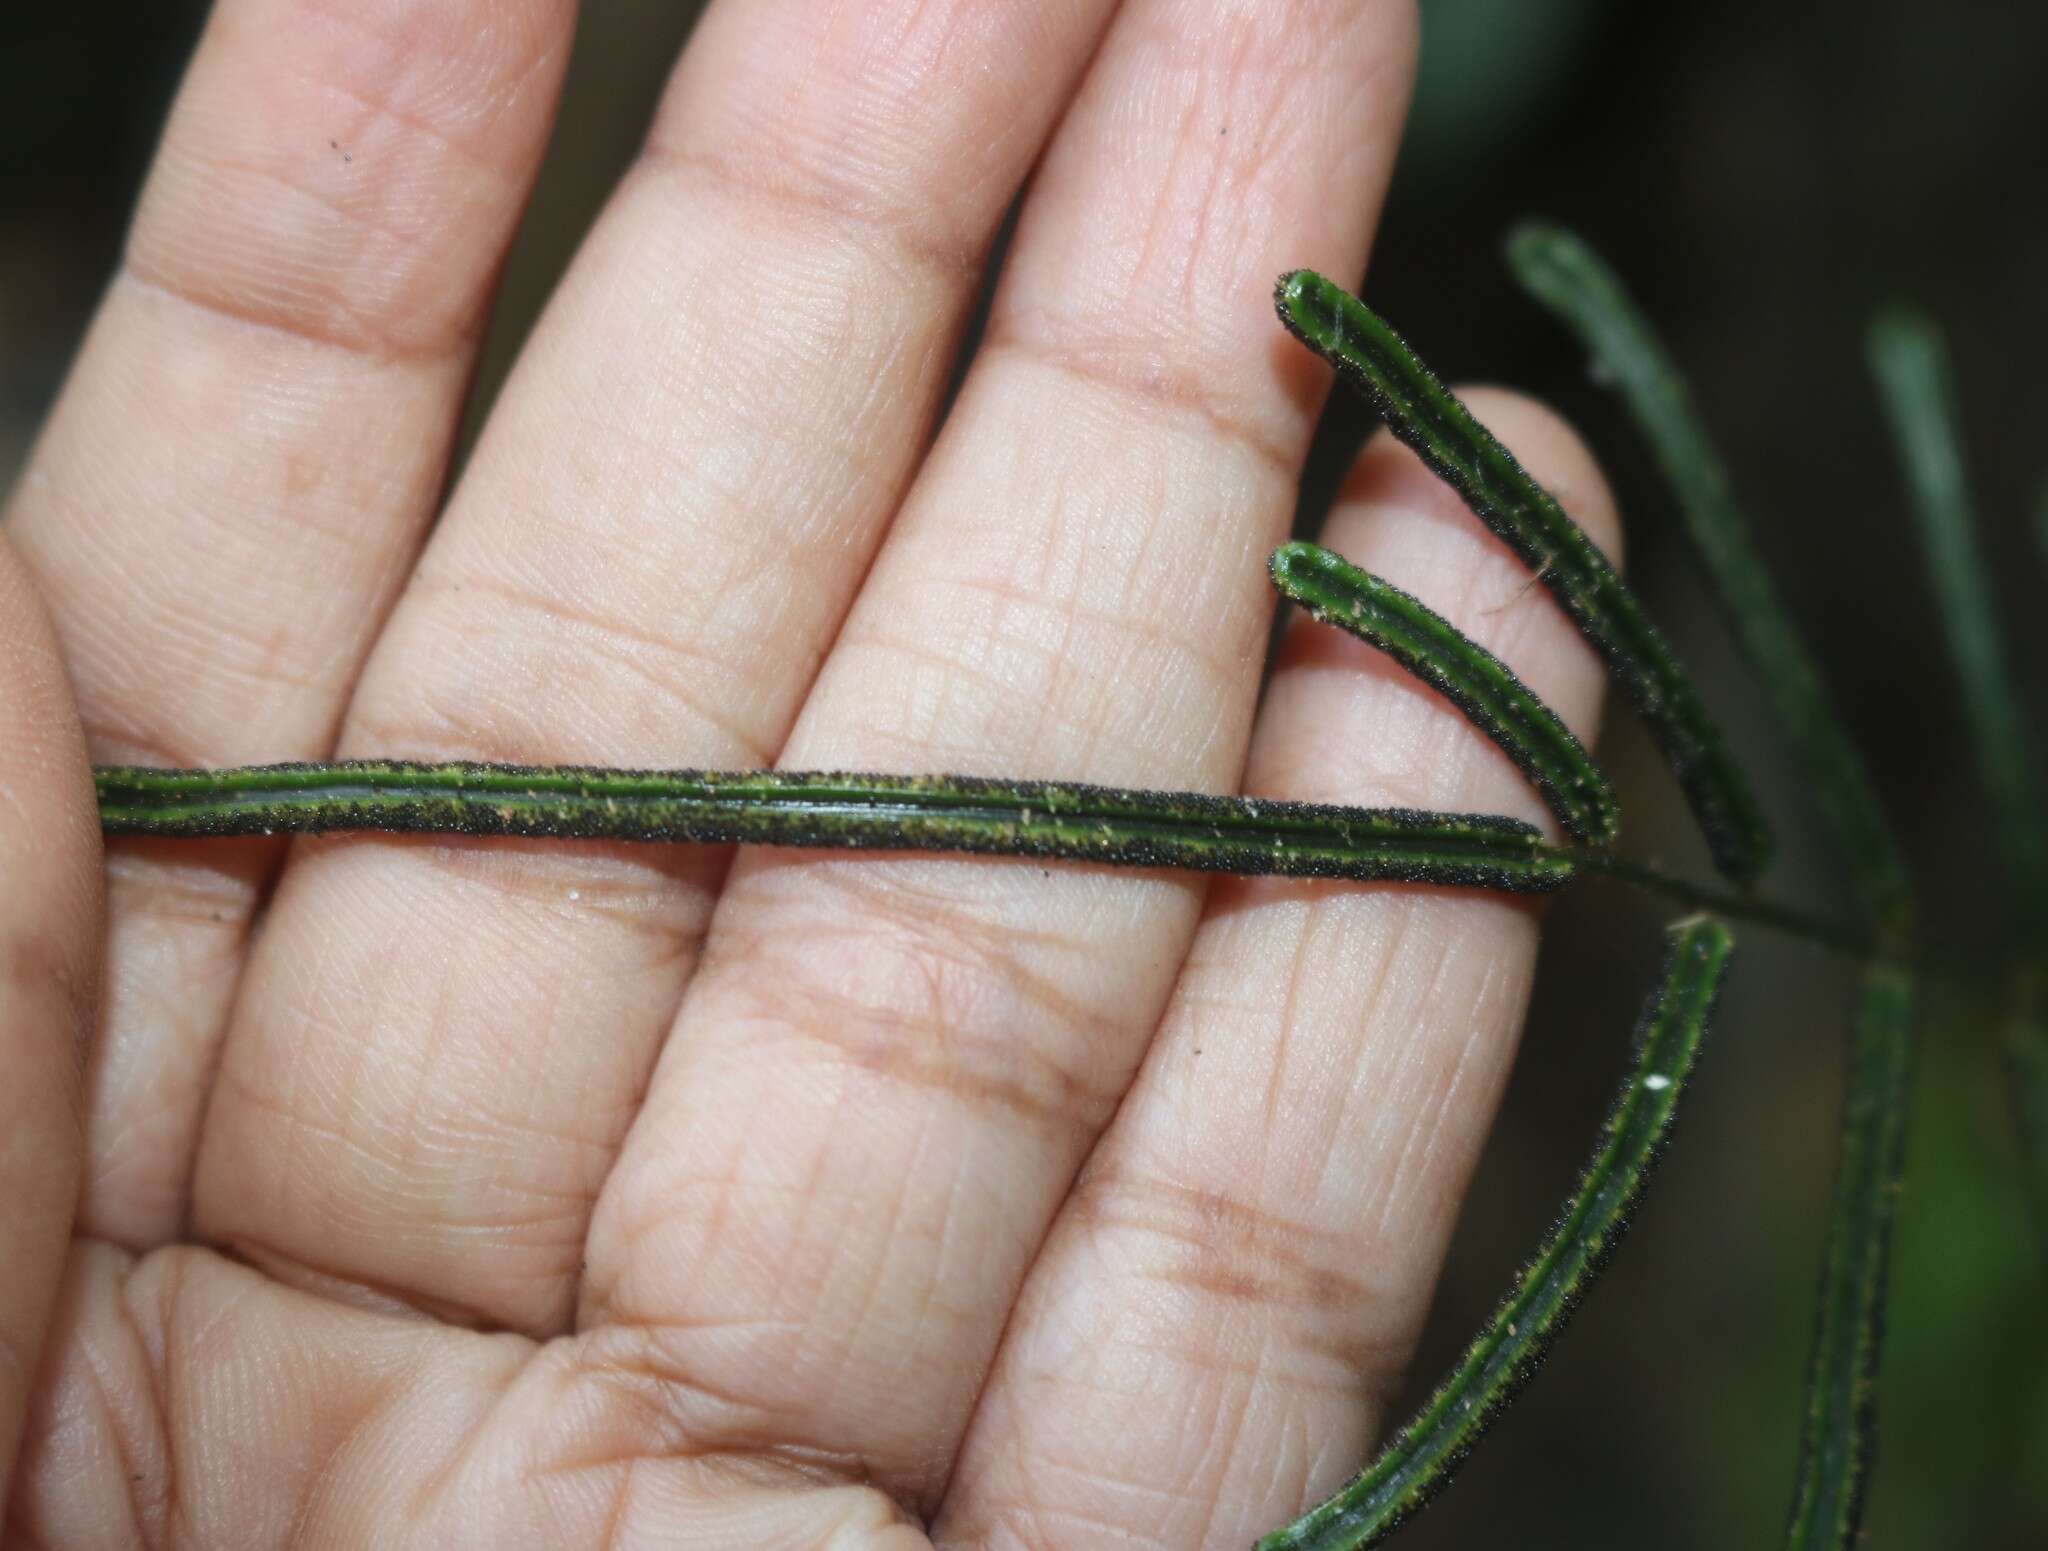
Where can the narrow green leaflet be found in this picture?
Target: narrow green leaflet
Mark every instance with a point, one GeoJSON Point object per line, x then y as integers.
{"type": "Point", "coordinates": [1423, 1455]}
{"type": "Point", "coordinates": [1841, 1393]}
{"type": "Point", "coordinates": [1050, 820]}
{"type": "Point", "coordinates": [1910, 362]}
{"type": "Point", "coordinates": [1474, 680]}
{"type": "Point", "coordinates": [1909, 359]}
{"type": "Point", "coordinates": [1564, 274]}
{"type": "Point", "coordinates": [1372, 358]}
{"type": "Point", "coordinates": [1060, 821]}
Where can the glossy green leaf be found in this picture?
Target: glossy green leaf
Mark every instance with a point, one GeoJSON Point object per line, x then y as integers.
{"type": "Point", "coordinates": [1478, 683]}
{"type": "Point", "coordinates": [1063, 821]}
{"type": "Point", "coordinates": [1423, 413]}
{"type": "Point", "coordinates": [1841, 1392]}
{"type": "Point", "coordinates": [1423, 1455]}
{"type": "Point", "coordinates": [1570, 279]}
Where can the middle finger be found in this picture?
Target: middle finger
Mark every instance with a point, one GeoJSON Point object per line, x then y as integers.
{"type": "Point", "coordinates": [886, 1072]}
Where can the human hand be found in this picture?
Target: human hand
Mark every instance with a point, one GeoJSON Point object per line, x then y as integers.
{"type": "Point", "coordinates": [445, 1192]}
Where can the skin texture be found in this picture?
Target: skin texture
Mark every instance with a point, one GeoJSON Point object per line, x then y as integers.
{"type": "Point", "coordinates": [505, 1193]}
{"type": "Point", "coordinates": [49, 979]}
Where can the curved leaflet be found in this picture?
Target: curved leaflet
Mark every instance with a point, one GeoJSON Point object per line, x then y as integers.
{"type": "Point", "coordinates": [1422, 1457]}
{"type": "Point", "coordinates": [1494, 700]}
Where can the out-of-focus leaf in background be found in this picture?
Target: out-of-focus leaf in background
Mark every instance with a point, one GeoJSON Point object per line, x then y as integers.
{"type": "Point", "coordinates": [1487, 67]}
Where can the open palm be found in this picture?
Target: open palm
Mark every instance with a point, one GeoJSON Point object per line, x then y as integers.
{"type": "Point", "coordinates": [444, 1192]}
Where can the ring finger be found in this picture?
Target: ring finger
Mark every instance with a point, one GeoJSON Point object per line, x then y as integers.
{"type": "Point", "coordinates": [1232, 1289]}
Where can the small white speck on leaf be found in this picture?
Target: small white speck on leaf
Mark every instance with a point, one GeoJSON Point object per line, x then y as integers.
{"type": "Point", "coordinates": [1656, 1082]}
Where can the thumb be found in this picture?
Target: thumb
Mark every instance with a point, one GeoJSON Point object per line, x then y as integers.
{"type": "Point", "coordinates": [50, 937]}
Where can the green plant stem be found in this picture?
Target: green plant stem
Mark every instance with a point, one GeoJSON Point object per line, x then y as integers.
{"type": "Point", "coordinates": [1836, 1435]}
{"type": "Point", "coordinates": [1564, 274]}
{"type": "Point", "coordinates": [1370, 357]}
{"type": "Point", "coordinates": [1741, 907]}
{"type": "Point", "coordinates": [1421, 1458]}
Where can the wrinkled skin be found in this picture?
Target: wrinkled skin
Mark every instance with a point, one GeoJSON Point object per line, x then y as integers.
{"type": "Point", "coordinates": [408, 1192]}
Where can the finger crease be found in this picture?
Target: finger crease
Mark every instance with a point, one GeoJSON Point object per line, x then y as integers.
{"type": "Point", "coordinates": [816, 200]}
{"type": "Point", "coordinates": [369, 345]}
{"type": "Point", "coordinates": [1145, 379]}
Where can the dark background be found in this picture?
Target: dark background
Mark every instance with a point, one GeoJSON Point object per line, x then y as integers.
{"type": "Point", "coordinates": [1763, 174]}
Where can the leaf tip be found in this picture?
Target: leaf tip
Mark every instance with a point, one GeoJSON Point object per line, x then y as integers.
{"type": "Point", "coordinates": [1288, 561]}
{"type": "Point", "coordinates": [1535, 249]}
{"type": "Point", "coordinates": [1531, 236]}
{"type": "Point", "coordinates": [1308, 304]}
{"type": "Point", "coordinates": [1900, 318]}
{"type": "Point", "coordinates": [1703, 933]}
